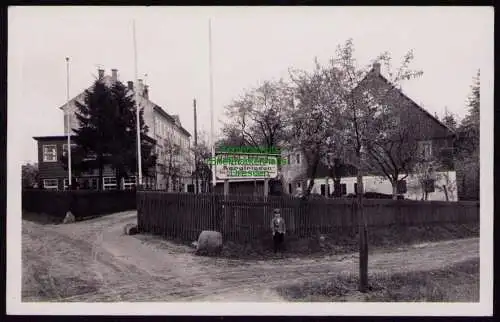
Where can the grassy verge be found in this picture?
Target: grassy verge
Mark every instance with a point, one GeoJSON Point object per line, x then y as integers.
{"type": "Point", "coordinates": [344, 242]}
{"type": "Point", "coordinates": [456, 283]}
{"type": "Point", "coordinates": [42, 219]}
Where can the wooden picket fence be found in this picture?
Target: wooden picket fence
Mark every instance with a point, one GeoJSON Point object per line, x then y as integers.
{"type": "Point", "coordinates": [242, 218]}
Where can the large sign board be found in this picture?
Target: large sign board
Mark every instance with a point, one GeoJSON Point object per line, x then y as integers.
{"type": "Point", "coordinates": [245, 166]}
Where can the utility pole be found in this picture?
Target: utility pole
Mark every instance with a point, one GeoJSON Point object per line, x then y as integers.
{"type": "Point", "coordinates": [68, 122]}
{"type": "Point", "coordinates": [138, 123]}
{"type": "Point", "coordinates": [212, 139]}
{"type": "Point", "coordinates": [195, 146]}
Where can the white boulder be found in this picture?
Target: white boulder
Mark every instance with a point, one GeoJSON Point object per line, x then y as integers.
{"type": "Point", "coordinates": [130, 229]}
{"type": "Point", "coordinates": [209, 243]}
{"type": "Point", "coordinates": [69, 218]}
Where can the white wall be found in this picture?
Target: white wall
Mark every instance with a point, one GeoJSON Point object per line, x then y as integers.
{"type": "Point", "coordinates": [382, 185]}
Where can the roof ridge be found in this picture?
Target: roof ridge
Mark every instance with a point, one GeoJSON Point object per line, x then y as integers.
{"type": "Point", "coordinates": [411, 100]}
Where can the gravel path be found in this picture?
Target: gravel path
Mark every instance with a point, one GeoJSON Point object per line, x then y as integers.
{"type": "Point", "coordinates": [93, 261]}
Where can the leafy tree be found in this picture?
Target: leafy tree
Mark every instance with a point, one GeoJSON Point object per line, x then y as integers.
{"type": "Point", "coordinates": [170, 162]}
{"type": "Point", "coordinates": [314, 120]}
{"type": "Point", "coordinates": [202, 168]}
{"type": "Point", "coordinates": [29, 175]}
{"type": "Point", "coordinates": [257, 116]}
{"type": "Point", "coordinates": [450, 120]}
{"type": "Point", "coordinates": [368, 107]}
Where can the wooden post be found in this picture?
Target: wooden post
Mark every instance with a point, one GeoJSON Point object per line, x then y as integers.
{"type": "Point", "coordinates": [226, 187]}
{"type": "Point", "coordinates": [196, 147]}
{"type": "Point", "coordinates": [362, 231]}
{"type": "Point", "coordinates": [266, 187]}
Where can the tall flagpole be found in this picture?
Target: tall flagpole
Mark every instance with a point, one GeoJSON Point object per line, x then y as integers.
{"type": "Point", "coordinates": [212, 140]}
{"type": "Point", "coordinates": [138, 123]}
{"type": "Point", "coordinates": [68, 122]}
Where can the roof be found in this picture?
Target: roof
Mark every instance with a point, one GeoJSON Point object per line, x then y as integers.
{"type": "Point", "coordinates": [51, 137]}
{"type": "Point", "coordinates": [379, 75]}
{"type": "Point", "coordinates": [108, 81]}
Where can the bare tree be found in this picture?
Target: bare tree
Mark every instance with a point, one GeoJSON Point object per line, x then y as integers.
{"type": "Point", "coordinates": [171, 163]}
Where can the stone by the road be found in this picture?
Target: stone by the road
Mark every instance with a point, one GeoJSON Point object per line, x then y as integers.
{"type": "Point", "coordinates": [69, 218]}
{"type": "Point", "coordinates": [209, 243]}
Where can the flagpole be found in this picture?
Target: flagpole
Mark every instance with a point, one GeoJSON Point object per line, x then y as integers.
{"type": "Point", "coordinates": [212, 141]}
{"type": "Point", "coordinates": [68, 126]}
{"type": "Point", "coordinates": [138, 123]}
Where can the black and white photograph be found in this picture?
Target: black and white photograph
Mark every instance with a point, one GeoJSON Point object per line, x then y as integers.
{"type": "Point", "coordinates": [250, 160]}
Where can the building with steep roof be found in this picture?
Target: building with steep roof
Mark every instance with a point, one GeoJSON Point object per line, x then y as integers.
{"type": "Point", "coordinates": [165, 130]}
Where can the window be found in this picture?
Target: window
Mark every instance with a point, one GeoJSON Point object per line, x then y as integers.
{"type": "Point", "coordinates": [401, 187]}
{"type": "Point", "coordinates": [49, 153]}
{"type": "Point", "coordinates": [297, 158]}
{"type": "Point", "coordinates": [355, 188]}
{"type": "Point", "coordinates": [289, 188]}
{"type": "Point", "coordinates": [299, 185]}
{"type": "Point", "coordinates": [128, 183]}
{"type": "Point", "coordinates": [426, 149]}
{"type": "Point", "coordinates": [109, 183]}
{"type": "Point", "coordinates": [52, 184]}
{"type": "Point", "coordinates": [343, 188]}
{"type": "Point", "coordinates": [65, 148]}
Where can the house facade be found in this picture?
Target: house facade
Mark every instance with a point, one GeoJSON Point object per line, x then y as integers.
{"type": "Point", "coordinates": [164, 130]}
{"type": "Point", "coordinates": [431, 135]}
{"type": "Point", "coordinates": [53, 174]}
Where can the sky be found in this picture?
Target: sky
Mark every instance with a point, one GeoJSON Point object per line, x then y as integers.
{"type": "Point", "coordinates": [249, 45]}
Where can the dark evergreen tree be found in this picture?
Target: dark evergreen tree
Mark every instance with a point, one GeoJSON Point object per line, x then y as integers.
{"type": "Point", "coordinates": [467, 147]}
{"type": "Point", "coordinates": [124, 146]}
{"type": "Point", "coordinates": [93, 137]}
{"type": "Point", "coordinates": [468, 142]}
{"type": "Point", "coordinates": [107, 131]}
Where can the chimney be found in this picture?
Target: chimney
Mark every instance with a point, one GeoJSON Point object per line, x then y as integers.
{"type": "Point", "coordinates": [101, 73]}
{"type": "Point", "coordinates": [376, 68]}
{"type": "Point", "coordinates": [140, 86]}
{"type": "Point", "coordinates": [114, 74]}
{"type": "Point", "coordinates": [130, 85]}
{"type": "Point", "coordinates": [146, 92]}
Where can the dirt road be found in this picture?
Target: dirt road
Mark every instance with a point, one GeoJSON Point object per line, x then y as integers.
{"type": "Point", "coordinates": [93, 261]}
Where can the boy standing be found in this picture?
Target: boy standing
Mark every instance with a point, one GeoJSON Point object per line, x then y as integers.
{"type": "Point", "coordinates": [278, 229]}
